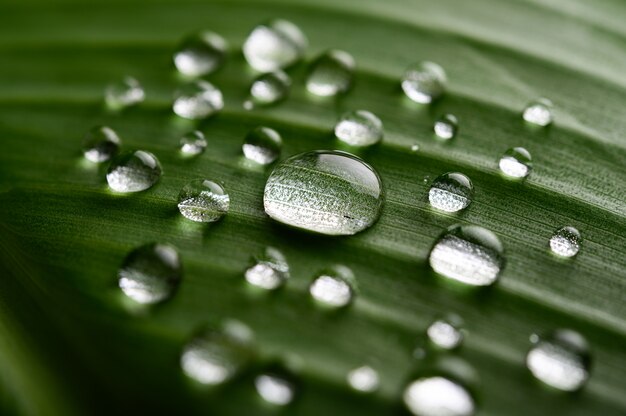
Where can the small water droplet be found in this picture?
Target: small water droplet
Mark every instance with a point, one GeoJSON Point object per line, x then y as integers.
{"type": "Point", "coordinates": [124, 93]}
{"type": "Point", "coordinates": [150, 273]}
{"type": "Point", "coordinates": [415, 147]}
{"type": "Point", "coordinates": [516, 162]}
{"type": "Point", "coordinates": [133, 171]}
{"type": "Point", "coordinates": [364, 379]}
{"type": "Point", "coordinates": [203, 201]}
{"type": "Point", "coordinates": [469, 254]}
{"type": "Point", "coordinates": [438, 396]}
{"type": "Point", "coordinates": [100, 144]}
{"type": "Point", "coordinates": [445, 333]}
{"type": "Point", "coordinates": [451, 192]}
{"type": "Point", "coordinates": [270, 270]}
{"type": "Point", "coordinates": [262, 145]}
{"type": "Point", "coordinates": [424, 82]}
{"type": "Point", "coordinates": [560, 359]}
{"type": "Point", "coordinates": [193, 143]}
{"type": "Point", "coordinates": [565, 242]}
{"type": "Point", "coordinates": [333, 287]}
{"type": "Point", "coordinates": [200, 54]}
{"type": "Point", "coordinates": [275, 389]}
{"type": "Point", "coordinates": [198, 100]}
{"type": "Point", "coordinates": [446, 127]}
{"type": "Point", "coordinates": [331, 73]}
{"type": "Point", "coordinates": [274, 45]}
{"type": "Point", "coordinates": [539, 112]}
{"type": "Point", "coordinates": [268, 88]}
{"type": "Point", "coordinates": [328, 192]}
{"type": "Point", "coordinates": [359, 128]}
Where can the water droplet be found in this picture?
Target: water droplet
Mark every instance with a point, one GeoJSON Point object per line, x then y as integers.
{"type": "Point", "coordinates": [200, 54]}
{"type": "Point", "coordinates": [560, 359]}
{"type": "Point", "coordinates": [268, 89]}
{"type": "Point", "coordinates": [262, 145]}
{"type": "Point", "coordinates": [424, 82]}
{"type": "Point", "coordinates": [445, 333]}
{"type": "Point", "coordinates": [274, 45]}
{"type": "Point", "coordinates": [451, 192]}
{"type": "Point", "coordinates": [133, 171]}
{"type": "Point", "coordinates": [275, 389]}
{"type": "Point", "coordinates": [333, 287]}
{"type": "Point", "coordinates": [516, 162]}
{"type": "Point", "coordinates": [150, 273]}
{"type": "Point", "coordinates": [331, 73]}
{"type": "Point", "coordinates": [438, 396]}
{"type": "Point", "coordinates": [100, 144]}
{"type": "Point", "coordinates": [565, 242]}
{"type": "Point", "coordinates": [539, 112]}
{"type": "Point", "coordinates": [469, 254]}
{"type": "Point", "coordinates": [193, 143]}
{"type": "Point", "coordinates": [415, 147]}
{"type": "Point", "coordinates": [359, 128]}
{"type": "Point", "coordinates": [364, 379]}
{"type": "Point", "coordinates": [124, 93]}
{"type": "Point", "coordinates": [328, 192]}
{"type": "Point", "coordinates": [203, 201]}
{"type": "Point", "coordinates": [198, 100]}
{"type": "Point", "coordinates": [446, 127]}
{"type": "Point", "coordinates": [270, 270]}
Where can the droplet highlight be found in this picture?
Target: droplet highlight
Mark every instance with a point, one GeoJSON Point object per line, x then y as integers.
{"type": "Point", "coordinates": [100, 144]}
{"type": "Point", "coordinates": [274, 45]}
{"type": "Point", "coordinates": [451, 192]}
{"type": "Point", "coordinates": [200, 54]}
{"type": "Point", "coordinates": [262, 145]}
{"type": "Point", "coordinates": [275, 389]}
{"type": "Point", "coordinates": [333, 287]}
{"type": "Point", "coordinates": [516, 163]}
{"type": "Point", "coordinates": [193, 143]}
{"type": "Point", "coordinates": [133, 171]}
{"type": "Point", "coordinates": [124, 93]}
{"type": "Point", "coordinates": [359, 128]}
{"type": "Point", "coordinates": [424, 82]}
{"type": "Point", "coordinates": [446, 127]}
{"type": "Point", "coordinates": [197, 100]}
{"type": "Point", "coordinates": [438, 396]}
{"type": "Point", "coordinates": [203, 201]}
{"type": "Point", "coordinates": [364, 379]}
{"type": "Point", "coordinates": [268, 89]}
{"type": "Point", "coordinates": [331, 74]}
{"type": "Point", "coordinates": [270, 270]}
{"type": "Point", "coordinates": [565, 242]}
{"type": "Point", "coordinates": [539, 112]}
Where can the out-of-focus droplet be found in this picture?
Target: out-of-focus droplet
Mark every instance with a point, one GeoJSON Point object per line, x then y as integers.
{"type": "Point", "coordinates": [274, 45]}
{"type": "Point", "coordinates": [359, 128]}
{"type": "Point", "coordinates": [424, 82]}
{"type": "Point", "coordinates": [270, 270]}
{"type": "Point", "coordinates": [100, 144]}
{"type": "Point", "coordinates": [275, 389]}
{"type": "Point", "coordinates": [193, 143]}
{"type": "Point", "coordinates": [268, 89]}
{"type": "Point", "coordinates": [124, 93]}
{"type": "Point", "coordinates": [333, 287]}
{"type": "Point", "coordinates": [539, 112]}
{"type": "Point", "coordinates": [331, 73]}
{"type": "Point", "coordinates": [446, 127]}
{"type": "Point", "coordinates": [262, 145]}
{"type": "Point", "coordinates": [438, 396]}
{"type": "Point", "coordinates": [200, 54]}
{"type": "Point", "coordinates": [364, 379]}
{"type": "Point", "coordinates": [446, 333]}
{"type": "Point", "coordinates": [199, 99]}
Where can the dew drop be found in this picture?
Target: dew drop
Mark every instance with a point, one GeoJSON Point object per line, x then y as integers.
{"type": "Point", "coordinates": [331, 74]}
{"type": "Point", "coordinates": [415, 147]}
{"type": "Point", "coordinates": [328, 192]}
{"type": "Point", "coordinates": [539, 112]}
{"type": "Point", "coordinates": [268, 89]}
{"type": "Point", "coordinates": [445, 333]}
{"type": "Point", "coordinates": [333, 287]}
{"type": "Point", "coordinates": [469, 254]}
{"type": "Point", "coordinates": [275, 389]}
{"type": "Point", "coordinates": [197, 100]}
{"type": "Point", "coordinates": [200, 54]}
{"type": "Point", "coordinates": [270, 270]}
{"type": "Point", "coordinates": [424, 82]}
{"type": "Point", "coordinates": [150, 273]}
{"type": "Point", "coordinates": [516, 163]}
{"type": "Point", "coordinates": [560, 359]}
{"type": "Point", "coordinates": [124, 93]}
{"type": "Point", "coordinates": [451, 192]}
{"type": "Point", "coordinates": [193, 143]}
{"type": "Point", "coordinates": [438, 396]}
{"type": "Point", "coordinates": [100, 144]}
{"type": "Point", "coordinates": [364, 379]}
{"type": "Point", "coordinates": [274, 45]}
{"type": "Point", "coordinates": [133, 171]}
{"type": "Point", "coordinates": [446, 127]}
{"type": "Point", "coordinates": [359, 128]}
{"type": "Point", "coordinates": [262, 145]}
{"type": "Point", "coordinates": [565, 242]}
{"type": "Point", "coordinates": [203, 201]}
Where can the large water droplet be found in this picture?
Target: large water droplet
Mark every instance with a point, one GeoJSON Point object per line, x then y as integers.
{"type": "Point", "coordinates": [274, 45]}
{"type": "Point", "coordinates": [451, 192]}
{"type": "Point", "coordinates": [565, 242]}
{"type": "Point", "coordinates": [331, 73]}
{"type": "Point", "coordinates": [446, 127]}
{"type": "Point", "coordinates": [359, 128]}
{"type": "Point", "coordinates": [198, 100]}
{"type": "Point", "coordinates": [270, 270]}
{"type": "Point", "coordinates": [150, 273]}
{"type": "Point", "coordinates": [200, 54]}
{"type": "Point", "coordinates": [193, 143]}
{"type": "Point", "coordinates": [133, 171]}
{"type": "Point", "coordinates": [445, 333]}
{"type": "Point", "coordinates": [424, 82]}
{"type": "Point", "coordinates": [364, 379]}
{"type": "Point", "coordinates": [203, 201]}
{"type": "Point", "coordinates": [124, 93]}
{"type": "Point", "coordinates": [328, 192]}
{"type": "Point", "coordinates": [100, 144]}
{"type": "Point", "coordinates": [268, 88]}
{"type": "Point", "coordinates": [262, 145]}
{"type": "Point", "coordinates": [560, 359]}
{"type": "Point", "coordinates": [275, 389]}
{"type": "Point", "coordinates": [438, 396]}
{"type": "Point", "coordinates": [516, 162]}
{"type": "Point", "coordinates": [333, 287]}
{"type": "Point", "coordinates": [469, 254]}
{"type": "Point", "coordinates": [539, 112]}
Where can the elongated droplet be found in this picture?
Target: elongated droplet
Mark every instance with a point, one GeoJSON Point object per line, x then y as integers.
{"type": "Point", "coordinates": [331, 73]}
{"type": "Point", "coordinates": [203, 201]}
{"type": "Point", "coordinates": [451, 192]}
{"type": "Point", "coordinates": [560, 359]}
{"type": "Point", "coordinates": [446, 127]}
{"type": "Point", "coordinates": [193, 143]}
{"type": "Point", "coordinates": [539, 112]}
{"type": "Point", "coordinates": [133, 171]}
{"type": "Point", "coordinates": [333, 287]}
{"type": "Point", "coordinates": [124, 93]}
{"type": "Point", "coordinates": [270, 270]}
{"type": "Point", "coordinates": [200, 54]}
{"type": "Point", "coordinates": [364, 379]}
{"type": "Point", "coordinates": [262, 145]}
{"type": "Point", "coordinates": [274, 45]}
{"type": "Point", "coordinates": [565, 242]}
{"type": "Point", "coordinates": [100, 144]}
{"type": "Point", "coordinates": [438, 396]}
{"type": "Point", "coordinates": [328, 192]}
{"type": "Point", "coordinates": [150, 273]}
{"type": "Point", "coordinates": [359, 128]}
{"type": "Point", "coordinates": [424, 82]}
{"type": "Point", "coordinates": [275, 389]}
{"type": "Point", "coordinates": [469, 254]}
{"type": "Point", "coordinates": [445, 333]}
{"type": "Point", "coordinates": [199, 99]}
{"type": "Point", "coordinates": [268, 89]}
{"type": "Point", "coordinates": [516, 163]}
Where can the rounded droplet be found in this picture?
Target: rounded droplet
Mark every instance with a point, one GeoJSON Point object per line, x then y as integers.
{"type": "Point", "coordinates": [446, 127]}
{"type": "Point", "coordinates": [424, 82]}
{"type": "Point", "coordinates": [333, 287]}
{"type": "Point", "coordinates": [150, 273]}
{"type": "Point", "coordinates": [203, 201]}
{"type": "Point", "coordinates": [565, 242]}
{"type": "Point", "coordinates": [359, 128]}
{"type": "Point", "coordinates": [133, 171]}
{"type": "Point", "coordinates": [539, 112]}
{"type": "Point", "coordinates": [516, 162]}
{"type": "Point", "coordinates": [262, 145]}
{"type": "Point", "coordinates": [200, 54]}
{"type": "Point", "coordinates": [274, 45]}
{"type": "Point", "coordinates": [331, 73]}
{"type": "Point", "coordinates": [100, 144]}
{"type": "Point", "coordinates": [364, 379]}
{"type": "Point", "coordinates": [270, 270]}
{"type": "Point", "coordinates": [268, 89]}
{"type": "Point", "coordinates": [445, 333]}
{"type": "Point", "coordinates": [438, 396]}
{"type": "Point", "coordinates": [198, 100]}
{"type": "Point", "coordinates": [193, 143]}
{"type": "Point", "coordinates": [124, 93]}
{"type": "Point", "coordinates": [451, 192]}
{"type": "Point", "coordinates": [469, 254]}
{"type": "Point", "coordinates": [328, 192]}
{"type": "Point", "coordinates": [274, 389]}
{"type": "Point", "coordinates": [560, 359]}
